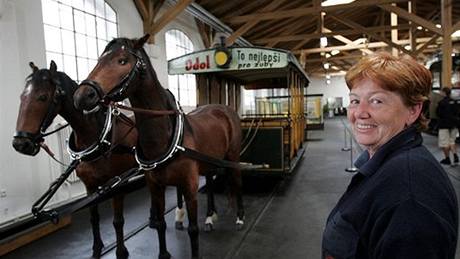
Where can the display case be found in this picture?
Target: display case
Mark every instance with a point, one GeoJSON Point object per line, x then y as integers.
{"type": "Point", "coordinates": [314, 111]}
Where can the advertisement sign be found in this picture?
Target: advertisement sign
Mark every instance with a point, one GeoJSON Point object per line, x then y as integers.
{"type": "Point", "coordinates": [242, 59]}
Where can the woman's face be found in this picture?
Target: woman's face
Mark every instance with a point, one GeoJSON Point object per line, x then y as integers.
{"type": "Point", "coordinates": [377, 115]}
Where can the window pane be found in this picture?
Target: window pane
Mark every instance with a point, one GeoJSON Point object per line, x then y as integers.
{"type": "Point", "coordinates": [70, 66]}
{"type": "Point", "coordinates": [100, 8]}
{"type": "Point", "coordinates": [80, 41]}
{"type": "Point", "coordinates": [57, 58]}
{"type": "Point", "coordinates": [110, 13]}
{"type": "Point", "coordinates": [111, 30]}
{"type": "Point", "coordinates": [78, 4]}
{"type": "Point", "coordinates": [92, 48]}
{"type": "Point", "coordinates": [101, 46]}
{"type": "Point", "coordinates": [91, 64]}
{"type": "Point", "coordinates": [50, 9]}
{"type": "Point", "coordinates": [82, 65]}
{"type": "Point", "coordinates": [90, 25]}
{"type": "Point", "coordinates": [65, 14]}
{"type": "Point", "coordinates": [68, 42]}
{"type": "Point", "coordinates": [52, 39]}
{"type": "Point", "coordinates": [183, 86]}
{"type": "Point", "coordinates": [101, 31]}
{"type": "Point", "coordinates": [80, 23]}
{"type": "Point", "coordinates": [89, 6]}
{"type": "Point", "coordinates": [66, 2]}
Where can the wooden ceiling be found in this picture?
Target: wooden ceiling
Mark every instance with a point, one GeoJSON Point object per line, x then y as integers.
{"type": "Point", "coordinates": [355, 29]}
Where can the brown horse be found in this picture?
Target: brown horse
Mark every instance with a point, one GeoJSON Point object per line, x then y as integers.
{"type": "Point", "coordinates": [48, 93]}
{"type": "Point", "coordinates": [124, 71]}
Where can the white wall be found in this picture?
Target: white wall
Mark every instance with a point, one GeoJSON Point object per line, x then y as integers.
{"type": "Point", "coordinates": [22, 178]}
{"type": "Point", "coordinates": [337, 88]}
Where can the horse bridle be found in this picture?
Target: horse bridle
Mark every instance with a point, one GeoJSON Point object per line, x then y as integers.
{"type": "Point", "coordinates": [117, 93]}
{"type": "Point", "coordinates": [37, 138]}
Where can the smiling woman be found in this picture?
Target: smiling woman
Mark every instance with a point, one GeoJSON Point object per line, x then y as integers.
{"type": "Point", "coordinates": [401, 203]}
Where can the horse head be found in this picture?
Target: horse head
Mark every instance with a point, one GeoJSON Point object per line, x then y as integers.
{"type": "Point", "coordinates": [121, 64]}
{"type": "Point", "coordinates": [40, 103]}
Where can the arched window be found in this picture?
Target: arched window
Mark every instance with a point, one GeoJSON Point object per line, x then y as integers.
{"type": "Point", "coordinates": [76, 33]}
{"type": "Point", "coordinates": [182, 86]}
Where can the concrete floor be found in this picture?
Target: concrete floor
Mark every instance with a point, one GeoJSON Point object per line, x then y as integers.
{"type": "Point", "coordinates": [284, 219]}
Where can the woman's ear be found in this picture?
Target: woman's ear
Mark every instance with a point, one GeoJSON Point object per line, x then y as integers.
{"type": "Point", "coordinates": [414, 113]}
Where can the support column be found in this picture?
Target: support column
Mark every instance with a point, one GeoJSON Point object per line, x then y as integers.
{"type": "Point", "coordinates": [394, 32]}
{"type": "Point", "coordinates": [412, 30]}
{"type": "Point", "coordinates": [446, 14]}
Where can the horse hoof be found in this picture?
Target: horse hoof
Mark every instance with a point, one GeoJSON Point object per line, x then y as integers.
{"type": "Point", "coordinates": [239, 227]}
{"type": "Point", "coordinates": [208, 227]}
{"type": "Point", "coordinates": [179, 225]}
{"type": "Point", "coordinates": [122, 253]}
{"type": "Point", "coordinates": [165, 255]}
{"type": "Point", "coordinates": [97, 253]}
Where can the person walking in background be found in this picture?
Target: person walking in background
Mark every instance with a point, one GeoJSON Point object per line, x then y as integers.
{"type": "Point", "coordinates": [447, 113]}
{"type": "Point", "coordinates": [400, 204]}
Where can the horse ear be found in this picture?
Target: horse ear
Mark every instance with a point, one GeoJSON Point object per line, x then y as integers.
{"type": "Point", "coordinates": [53, 67]}
{"type": "Point", "coordinates": [33, 66]}
{"type": "Point", "coordinates": [140, 42]}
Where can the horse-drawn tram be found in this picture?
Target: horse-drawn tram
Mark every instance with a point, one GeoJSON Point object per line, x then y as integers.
{"type": "Point", "coordinates": [266, 87]}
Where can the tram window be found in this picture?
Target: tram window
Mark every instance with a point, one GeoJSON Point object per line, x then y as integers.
{"type": "Point", "coordinates": [266, 102]}
{"type": "Point", "coordinates": [436, 79]}
{"type": "Point", "coordinates": [78, 34]}
{"type": "Point", "coordinates": [182, 86]}
{"type": "Point", "coordinates": [456, 78]}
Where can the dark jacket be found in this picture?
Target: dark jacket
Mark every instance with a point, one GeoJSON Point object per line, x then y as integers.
{"type": "Point", "coordinates": [447, 113]}
{"type": "Point", "coordinates": [400, 205]}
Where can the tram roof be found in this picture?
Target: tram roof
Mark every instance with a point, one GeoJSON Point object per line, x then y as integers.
{"type": "Point", "coordinates": [248, 64]}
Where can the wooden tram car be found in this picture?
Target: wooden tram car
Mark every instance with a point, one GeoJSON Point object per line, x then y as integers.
{"type": "Point", "coordinates": [267, 88]}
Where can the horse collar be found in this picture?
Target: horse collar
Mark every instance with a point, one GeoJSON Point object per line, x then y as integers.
{"type": "Point", "coordinates": [96, 149]}
{"type": "Point", "coordinates": [173, 148]}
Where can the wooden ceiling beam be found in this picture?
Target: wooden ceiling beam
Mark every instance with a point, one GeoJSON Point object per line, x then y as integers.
{"type": "Point", "coordinates": [142, 9]}
{"type": "Point", "coordinates": [412, 17]}
{"type": "Point", "coordinates": [247, 26]}
{"type": "Point", "coordinates": [329, 33]}
{"type": "Point", "coordinates": [456, 27]}
{"type": "Point", "coordinates": [277, 27]}
{"type": "Point", "coordinates": [371, 45]}
{"type": "Point", "coordinates": [205, 33]}
{"type": "Point", "coordinates": [242, 9]}
{"type": "Point", "coordinates": [324, 59]}
{"type": "Point", "coordinates": [222, 6]}
{"type": "Point", "coordinates": [423, 46]}
{"type": "Point", "coordinates": [345, 40]}
{"type": "Point", "coordinates": [363, 29]}
{"type": "Point", "coordinates": [307, 11]}
{"type": "Point", "coordinates": [168, 16]}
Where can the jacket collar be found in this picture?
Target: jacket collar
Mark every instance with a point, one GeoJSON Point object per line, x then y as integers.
{"type": "Point", "coordinates": [406, 139]}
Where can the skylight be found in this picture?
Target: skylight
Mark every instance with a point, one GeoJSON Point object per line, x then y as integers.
{"type": "Point", "coordinates": [335, 2]}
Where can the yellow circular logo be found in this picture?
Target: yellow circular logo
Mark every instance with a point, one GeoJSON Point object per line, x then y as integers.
{"type": "Point", "coordinates": [221, 58]}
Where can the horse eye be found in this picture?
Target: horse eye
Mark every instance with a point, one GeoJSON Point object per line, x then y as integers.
{"type": "Point", "coordinates": [42, 98]}
{"type": "Point", "coordinates": [122, 61]}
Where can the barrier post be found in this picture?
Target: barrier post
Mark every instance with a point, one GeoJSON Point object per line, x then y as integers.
{"type": "Point", "coordinates": [352, 168]}
{"type": "Point", "coordinates": [345, 148]}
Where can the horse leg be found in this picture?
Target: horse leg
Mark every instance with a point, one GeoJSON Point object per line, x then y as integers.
{"type": "Point", "coordinates": [97, 241]}
{"type": "Point", "coordinates": [118, 222]}
{"type": "Point", "coordinates": [192, 213]}
{"type": "Point", "coordinates": [157, 219]}
{"type": "Point", "coordinates": [180, 211]}
{"type": "Point", "coordinates": [211, 214]}
{"type": "Point", "coordinates": [236, 191]}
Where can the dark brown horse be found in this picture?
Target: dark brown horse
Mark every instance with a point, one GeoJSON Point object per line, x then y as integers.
{"type": "Point", "coordinates": [48, 93]}
{"type": "Point", "coordinates": [124, 71]}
